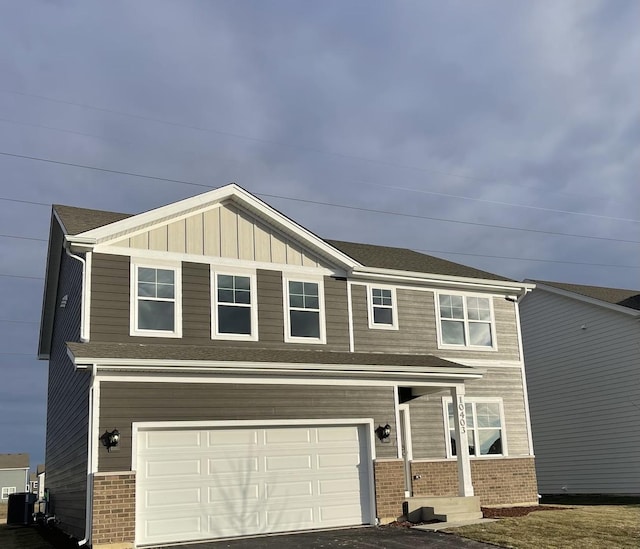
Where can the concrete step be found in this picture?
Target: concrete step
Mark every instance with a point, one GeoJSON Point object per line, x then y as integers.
{"type": "Point", "coordinates": [443, 508]}
{"type": "Point", "coordinates": [456, 517]}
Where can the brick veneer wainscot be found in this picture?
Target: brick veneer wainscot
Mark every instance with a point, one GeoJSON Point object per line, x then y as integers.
{"type": "Point", "coordinates": [497, 481]}
{"type": "Point", "coordinates": [389, 479]}
{"type": "Point", "coordinates": [114, 508]}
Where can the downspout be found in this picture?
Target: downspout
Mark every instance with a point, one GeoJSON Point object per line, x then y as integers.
{"type": "Point", "coordinates": [90, 451]}
{"type": "Point", "coordinates": [84, 298]}
{"type": "Point", "coordinates": [525, 391]}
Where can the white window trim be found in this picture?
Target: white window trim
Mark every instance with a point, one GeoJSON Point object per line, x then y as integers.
{"type": "Point", "coordinates": [215, 334]}
{"type": "Point", "coordinates": [133, 299]}
{"type": "Point", "coordinates": [492, 322]}
{"type": "Point", "coordinates": [474, 400]}
{"type": "Point", "coordinates": [7, 491]}
{"type": "Point", "coordinates": [288, 338]}
{"type": "Point", "coordinates": [394, 307]}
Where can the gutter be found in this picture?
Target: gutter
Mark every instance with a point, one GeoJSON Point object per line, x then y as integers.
{"type": "Point", "coordinates": [90, 451]}
{"type": "Point", "coordinates": [84, 297]}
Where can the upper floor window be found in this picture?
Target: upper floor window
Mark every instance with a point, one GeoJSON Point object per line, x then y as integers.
{"type": "Point", "coordinates": [305, 311]}
{"type": "Point", "coordinates": [234, 307]}
{"type": "Point", "coordinates": [155, 303]}
{"type": "Point", "coordinates": [466, 321]}
{"type": "Point", "coordinates": [484, 422]}
{"type": "Point", "coordinates": [382, 308]}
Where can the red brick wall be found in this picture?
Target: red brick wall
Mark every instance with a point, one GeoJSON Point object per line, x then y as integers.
{"type": "Point", "coordinates": [389, 479]}
{"type": "Point", "coordinates": [114, 508]}
{"type": "Point", "coordinates": [496, 481]}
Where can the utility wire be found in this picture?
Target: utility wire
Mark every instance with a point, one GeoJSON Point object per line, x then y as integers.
{"type": "Point", "coordinates": [22, 276]}
{"type": "Point", "coordinates": [369, 183]}
{"type": "Point", "coordinates": [23, 237]}
{"type": "Point", "coordinates": [355, 208]}
{"type": "Point", "coordinates": [19, 321]}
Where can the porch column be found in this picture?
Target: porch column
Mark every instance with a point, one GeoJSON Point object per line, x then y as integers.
{"type": "Point", "coordinates": [465, 486]}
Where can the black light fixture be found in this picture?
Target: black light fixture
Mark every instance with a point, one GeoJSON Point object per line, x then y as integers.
{"type": "Point", "coordinates": [383, 432]}
{"type": "Point", "coordinates": [110, 439]}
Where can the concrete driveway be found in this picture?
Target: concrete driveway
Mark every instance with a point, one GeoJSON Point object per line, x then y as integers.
{"type": "Point", "coordinates": [351, 538]}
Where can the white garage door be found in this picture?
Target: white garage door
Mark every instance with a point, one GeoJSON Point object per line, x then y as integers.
{"type": "Point", "coordinates": [196, 484]}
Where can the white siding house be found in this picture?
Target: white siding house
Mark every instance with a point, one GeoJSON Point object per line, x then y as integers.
{"type": "Point", "coordinates": [582, 350]}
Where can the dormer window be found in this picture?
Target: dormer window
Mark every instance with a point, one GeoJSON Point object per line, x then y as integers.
{"type": "Point", "coordinates": [155, 304]}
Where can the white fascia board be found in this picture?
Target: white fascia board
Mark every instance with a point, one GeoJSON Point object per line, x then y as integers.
{"type": "Point", "coordinates": [233, 193]}
{"type": "Point", "coordinates": [276, 368]}
{"type": "Point", "coordinates": [476, 284]}
{"type": "Point", "coordinates": [587, 299]}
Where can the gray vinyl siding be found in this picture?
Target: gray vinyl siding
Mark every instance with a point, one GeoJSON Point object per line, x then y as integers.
{"type": "Point", "coordinates": [417, 327]}
{"type": "Point", "coordinates": [110, 307]}
{"type": "Point", "coordinates": [427, 421]}
{"type": "Point", "coordinates": [67, 410]}
{"type": "Point", "coordinates": [584, 395]}
{"type": "Point", "coordinates": [123, 403]}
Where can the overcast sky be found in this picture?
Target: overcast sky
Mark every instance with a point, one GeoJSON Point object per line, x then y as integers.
{"type": "Point", "coordinates": [452, 116]}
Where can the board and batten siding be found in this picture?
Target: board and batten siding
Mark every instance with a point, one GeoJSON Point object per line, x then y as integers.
{"type": "Point", "coordinates": [224, 231]}
{"type": "Point", "coordinates": [417, 327]}
{"type": "Point", "coordinates": [67, 409]}
{"type": "Point", "coordinates": [583, 375]}
{"type": "Point", "coordinates": [110, 307]}
{"type": "Point", "coordinates": [427, 421]}
{"type": "Point", "coordinates": [122, 403]}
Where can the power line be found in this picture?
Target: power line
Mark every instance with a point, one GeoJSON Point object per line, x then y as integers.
{"type": "Point", "coordinates": [355, 208]}
{"type": "Point", "coordinates": [246, 137]}
{"type": "Point", "coordinates": [25, 201]}
{"type": "Point", "coordinates": [19, 321]}
{"type": "Point", "coordinates": [23, 237]}
{"type": "Point", "coordinates": [530, 259]}
{"type": "Point", "coordinates": [22, 276]}
{"type": "Point", "coordinates": [392, 187]}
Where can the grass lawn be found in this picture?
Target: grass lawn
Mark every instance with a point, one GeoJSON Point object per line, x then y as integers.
{"type": "Point", "coordinates": [577, 527]}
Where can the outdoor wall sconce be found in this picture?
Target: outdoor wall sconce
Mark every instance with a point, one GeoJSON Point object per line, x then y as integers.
{"type": "Point", "coordinates": [110, 439]}
{"type": "Point", "coordinates": [383, 432]}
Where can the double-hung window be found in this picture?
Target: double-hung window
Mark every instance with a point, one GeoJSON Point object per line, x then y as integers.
{"type": "Point", "coordinates": [234, 306]}
{"type": "Point", "coordinates": [304, 306]}
{"type": "Point", "coordinates": [466, 321]}
{"type": "Point", "coordinates": [7, 490]}
{"type": "Point", "coordinates": [484, 423]}
{"type": "Point", "coordinates": [382, 308]}
{"type": "Point", "coordinates": [156, 301]}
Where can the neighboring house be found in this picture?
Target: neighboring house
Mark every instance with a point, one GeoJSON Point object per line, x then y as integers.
{"type": "Point", "coordinates": [217, 370]}
{"type": "Point", "coordinates": [41, 486]}
{"type": "Point", "coordinates": [14, 474]}
{"type": "Point", "coordinates": [582, 347]}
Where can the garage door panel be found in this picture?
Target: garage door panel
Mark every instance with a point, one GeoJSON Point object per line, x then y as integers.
{"type": "Point", "coordinates": [288, 436]}
{"type": "Point", "coordinates": [172, 497]}
{"type": "Point", "coordinates": [233, 465]}
{"type": "Point", "coordinates": [277, 490]}
{"type": "Point", "coordinates": [162, 440]}
{"type": "Point", "coordinates": [173, 469]}
{"type": "Point", "coordinates": [244, 481]}
{"type": "Point", "coordinates": [229, 437]}
{"type": "Point", "coordinates": [287, 463]}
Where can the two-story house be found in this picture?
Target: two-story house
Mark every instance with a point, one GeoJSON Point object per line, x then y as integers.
{"type": "Point", "coordinates": [582, 346]}
{"type": "Point", "coordinates": [215, 370]}
{"type": "Point", "coordinates": [14, 475]}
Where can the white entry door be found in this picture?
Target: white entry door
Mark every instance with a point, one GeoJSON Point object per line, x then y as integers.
{"type": "Point", "coordinates": [196, 484]}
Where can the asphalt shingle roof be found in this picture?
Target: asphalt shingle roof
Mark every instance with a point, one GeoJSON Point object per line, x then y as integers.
{"type": "Point", "coordinates": [253, 354]}
{"type": "Point", "coordinates": [79, 220]}
{"type": "Point", "coordinates": [14, 461]}
{"type": "Point", "coordinates": [615, 296]}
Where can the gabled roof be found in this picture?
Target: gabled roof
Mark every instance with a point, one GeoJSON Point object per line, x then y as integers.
{"type": "Point", "coordinates": [14, 461]}
{"type": "Point", "coordinates": [403, 259]}
{"type": "Point", "coordinates": [629, 299]}
{"type": "Point", "coordinates": [79, 220]}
